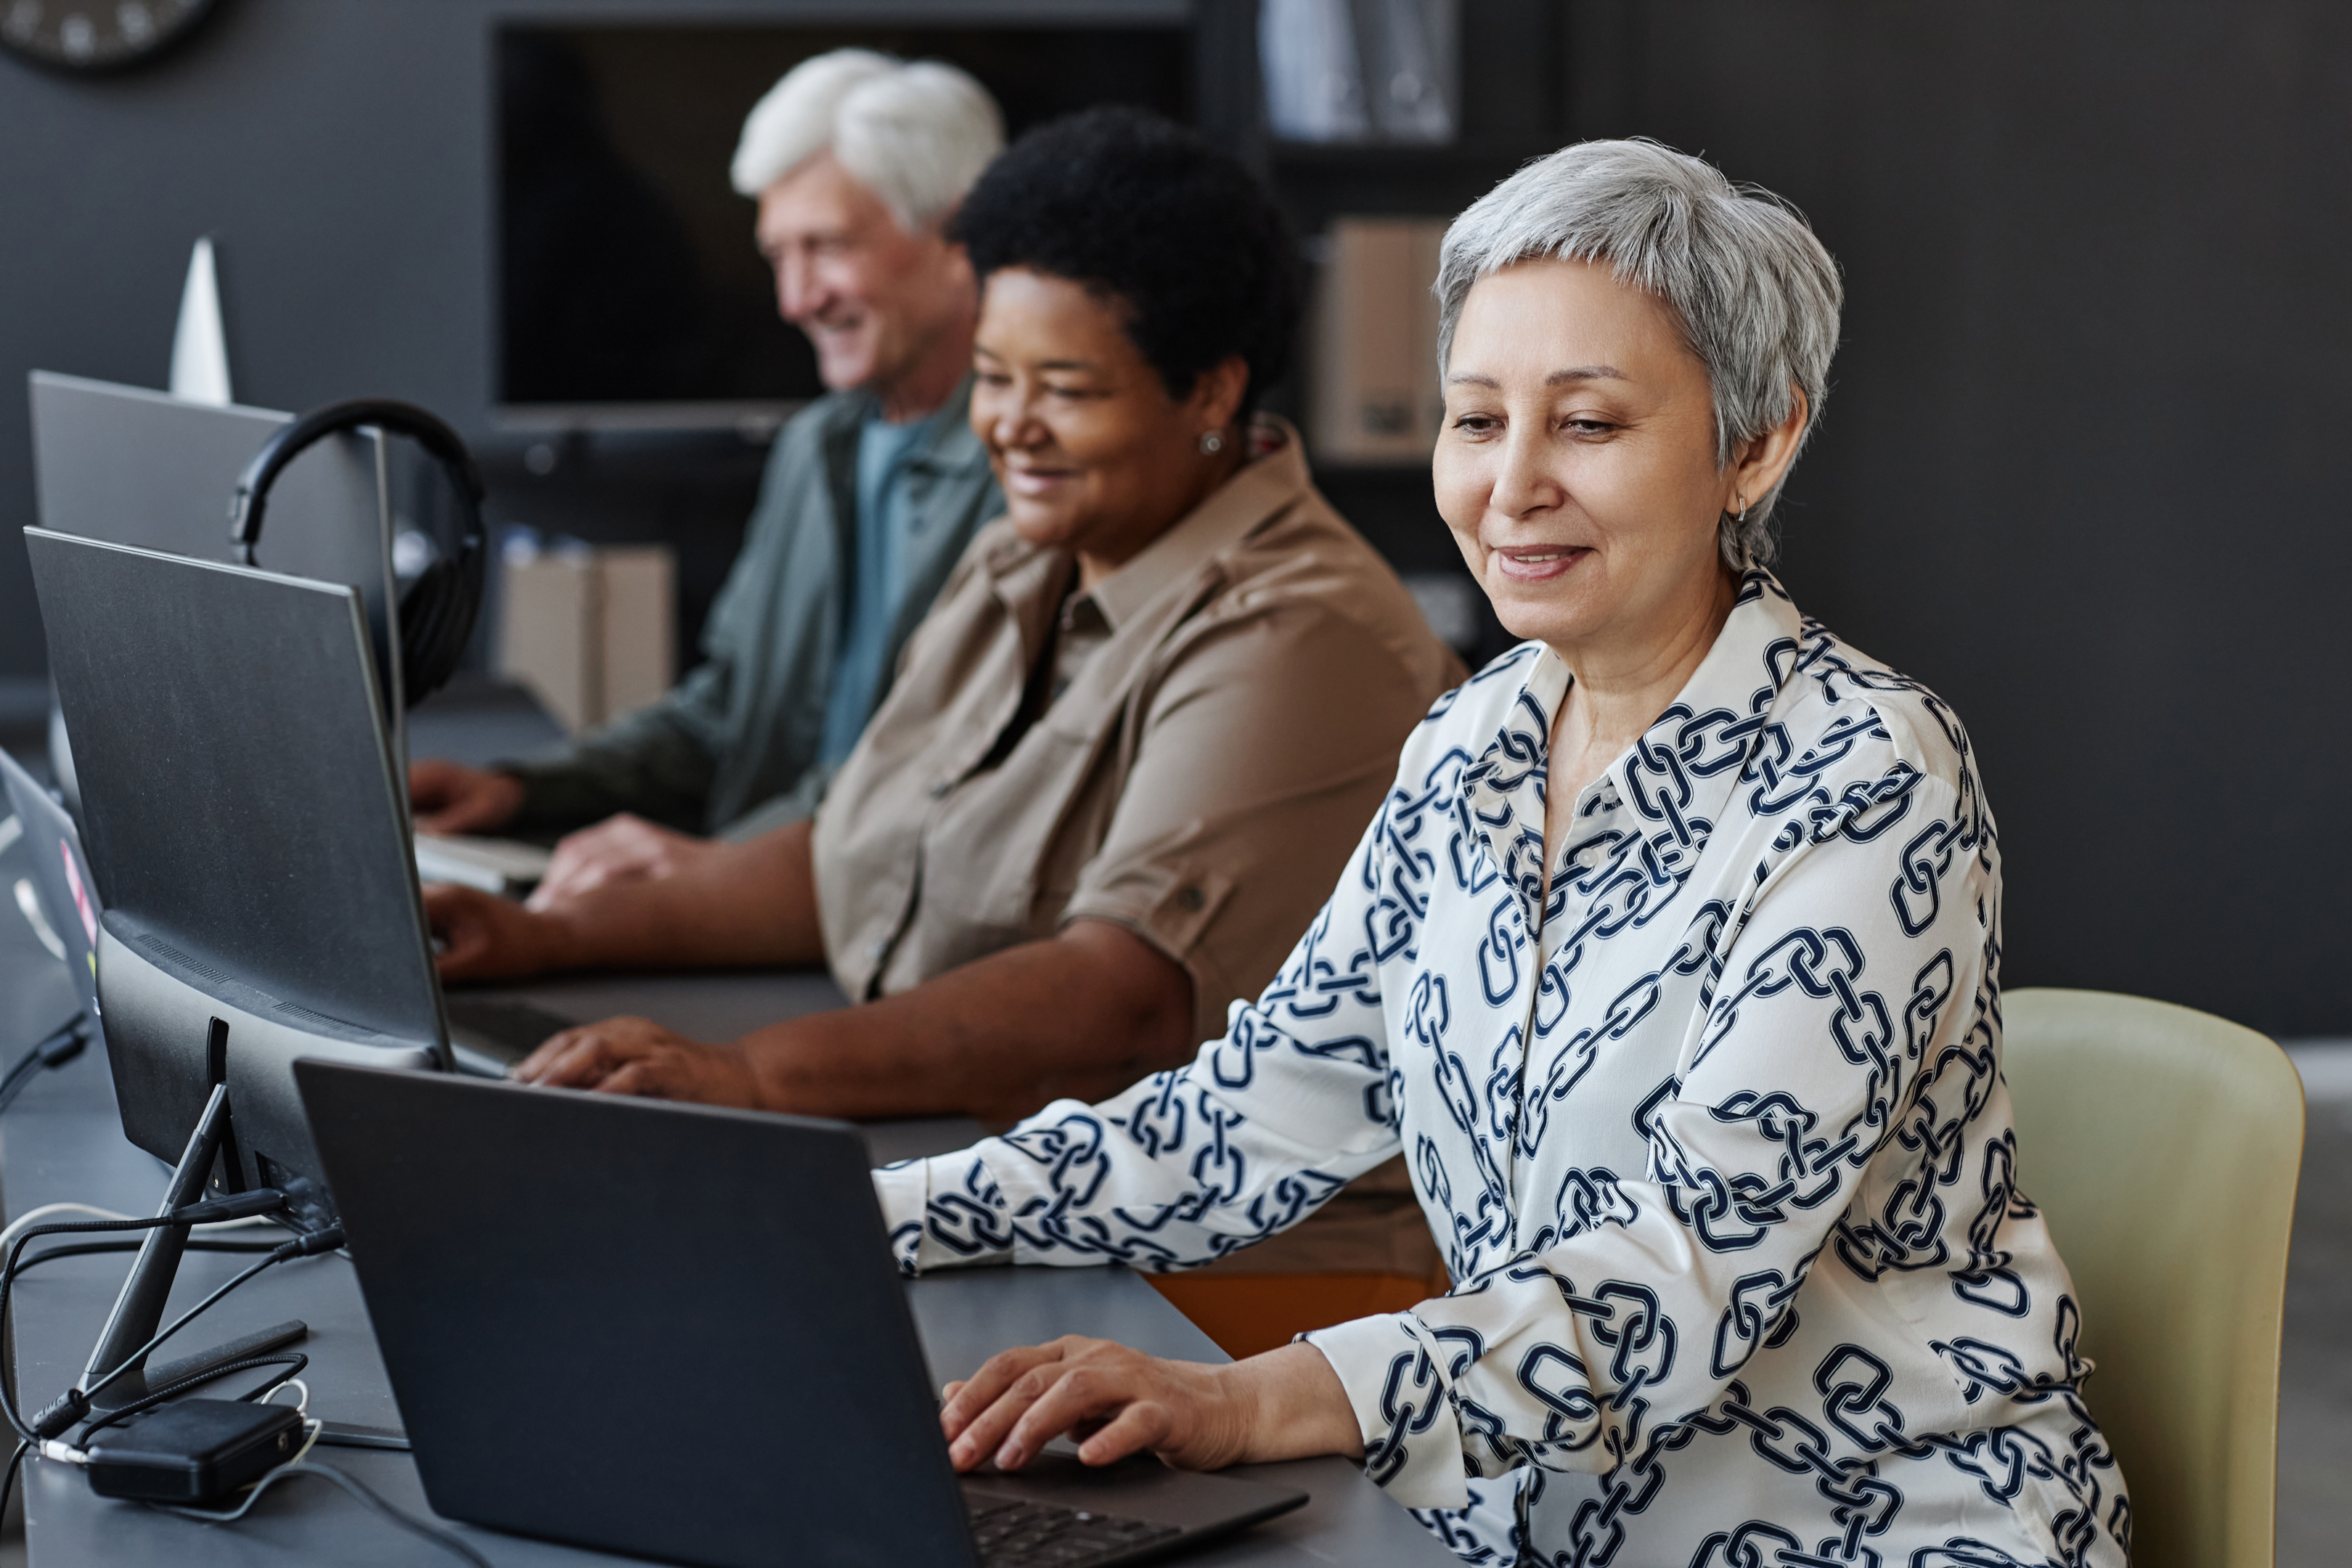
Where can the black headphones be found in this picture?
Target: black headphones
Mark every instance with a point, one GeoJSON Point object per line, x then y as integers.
{"type": "Point", "coordinates": [438, 610]}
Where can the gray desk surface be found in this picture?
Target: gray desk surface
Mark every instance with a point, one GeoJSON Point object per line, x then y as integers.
{"type": "Point", "coordinates": [62, 1142]}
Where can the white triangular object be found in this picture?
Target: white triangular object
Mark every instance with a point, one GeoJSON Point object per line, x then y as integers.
{"type": "Point", "coordinates": [200, 345]}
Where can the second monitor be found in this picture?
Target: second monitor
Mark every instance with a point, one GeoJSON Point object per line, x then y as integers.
{"type": "Point", "coordinates": [247, 833]}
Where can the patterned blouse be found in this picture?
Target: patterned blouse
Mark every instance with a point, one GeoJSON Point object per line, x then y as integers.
{"type": "Point", "coordinates": [1710, 1124]}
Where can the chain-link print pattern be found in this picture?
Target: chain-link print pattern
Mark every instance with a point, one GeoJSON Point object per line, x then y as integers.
{"type": "Point", "coordinates": [1708, 1116]}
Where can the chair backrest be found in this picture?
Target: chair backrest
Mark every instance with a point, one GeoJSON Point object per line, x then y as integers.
{"type": "Point", "coordinates": [2162, 1147]}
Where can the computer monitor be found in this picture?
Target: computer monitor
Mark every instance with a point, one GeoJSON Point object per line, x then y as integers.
{"type": "Point", "coordinates": [135, 467]}
{"type": "Point", "coordinates": [247, 829]}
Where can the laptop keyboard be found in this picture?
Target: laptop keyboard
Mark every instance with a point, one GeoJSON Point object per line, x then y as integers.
{"type": "Point", "coordinates": [505, 1030]}
{"type": "Point", "coordinates": [1014, 1532]}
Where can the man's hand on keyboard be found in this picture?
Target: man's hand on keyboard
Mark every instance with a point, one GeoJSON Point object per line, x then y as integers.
{"type": "Point", "coordinates": [623, 849]}
{"type": "Point", "coordinates": [450, 798]}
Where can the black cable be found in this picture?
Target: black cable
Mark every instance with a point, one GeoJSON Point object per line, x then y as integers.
{"type": "Point", "coordinates": [433, 1532]}
{"type": "Point", "coordinates": [84, 1249]}
{"type": "Point", "coordinates": [293, 1361]}
{"type": "Point", "coordinates": [211, 1209]}
{"type": "Point", "coordinates": [54, 1049]}
{"type": "Point", "coordinates": [8, 1484]}
{"type": "Point", "coordinates": [300, 1246]}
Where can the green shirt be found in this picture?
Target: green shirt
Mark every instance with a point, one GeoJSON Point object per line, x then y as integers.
{"type": "Point", "coordinates": [734, 748]}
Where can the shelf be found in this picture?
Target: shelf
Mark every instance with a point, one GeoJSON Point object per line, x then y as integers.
{"type": "Point", "coordinates": [1354, 157]}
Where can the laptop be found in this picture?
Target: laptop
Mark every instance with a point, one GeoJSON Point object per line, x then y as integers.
{"type": "Point", "coordinates": [64, 912]}
{"type": "Point", "coordinates": [675, 1330]}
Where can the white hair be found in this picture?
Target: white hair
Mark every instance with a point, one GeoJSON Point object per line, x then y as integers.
{"type": "Point", "coordinates": [917, 135]}
{"type": "Point", "coordinates": [1756, 293]}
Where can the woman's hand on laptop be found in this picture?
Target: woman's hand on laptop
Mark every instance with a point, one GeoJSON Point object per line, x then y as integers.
{"type": "Point", "coordinates": [481, 936]}
{"type": "Point", "coordinates": [637, 1055]}
{"type": "Point", "coordinates": [1284, 1404]}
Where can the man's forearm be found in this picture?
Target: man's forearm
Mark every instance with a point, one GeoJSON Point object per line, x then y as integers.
{"type": "Point", "coordinates": [1081, 1015]}
{"type": "Point", "coordinates": [752, 903]}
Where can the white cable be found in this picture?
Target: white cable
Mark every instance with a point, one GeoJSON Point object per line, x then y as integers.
{"type": "Point", "coordinates": [301, 1406]}
{"type": "Point", "coordinates": [32, 1216]}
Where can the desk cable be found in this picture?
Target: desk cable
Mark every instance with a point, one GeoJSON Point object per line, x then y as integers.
{"type": "Point", "coordinates": [73, 1405]}
{"type": "Point", "coordinates": [294, 1468]}
{"type": "Point", "coordinates": [54, 1049]}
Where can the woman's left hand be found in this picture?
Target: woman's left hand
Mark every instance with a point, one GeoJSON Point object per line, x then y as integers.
{"type": "Point", "coordinates": [1286, 1403]}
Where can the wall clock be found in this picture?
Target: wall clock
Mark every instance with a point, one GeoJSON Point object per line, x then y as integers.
{"type": "Point", "coordinates": [93, 36]}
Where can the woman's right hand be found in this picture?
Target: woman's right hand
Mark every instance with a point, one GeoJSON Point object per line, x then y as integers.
{"type": "Point", "coordinates": [448, 797]}
{"type": "Point", "coordinates": [1286, 1403]}
{"type": "Point", "coordinates": [481, 936]}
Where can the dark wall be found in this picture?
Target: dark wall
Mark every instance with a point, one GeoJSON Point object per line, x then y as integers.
{"type": "Point", "coordinates": [2072, 472]}
{"type": "Point", "coordinates": [340, 153]}
{"type": "Point", "coordinates": [2082, 468]}
{"type": "Point", "coordinates": [334, 148]}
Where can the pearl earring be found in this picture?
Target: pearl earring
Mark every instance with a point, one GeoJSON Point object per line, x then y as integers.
{"type": "Point", "coordinates": [1211, 443]}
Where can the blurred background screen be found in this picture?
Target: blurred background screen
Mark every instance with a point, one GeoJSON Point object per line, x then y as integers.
{"type": "Point", "coordinates": [626, 272]}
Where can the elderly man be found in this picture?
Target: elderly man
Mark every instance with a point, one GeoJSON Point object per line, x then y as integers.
{"type": "Point", "coordinates": [857, 161]}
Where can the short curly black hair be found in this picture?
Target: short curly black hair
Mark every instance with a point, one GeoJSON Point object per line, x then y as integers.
{"type": "Point", "coordinates": [1141, 210]}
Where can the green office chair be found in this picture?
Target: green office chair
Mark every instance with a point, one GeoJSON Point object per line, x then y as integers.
{"type": "Point", "coordinates": [2162, 1147]}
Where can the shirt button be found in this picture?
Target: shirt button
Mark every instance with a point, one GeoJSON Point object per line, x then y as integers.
{"type": "Point", "coordinates": [1190, 898]}
{"type": "Point", "coordinates": [939, 790]}
{"type": "Point", "coordinates": [874, 950]}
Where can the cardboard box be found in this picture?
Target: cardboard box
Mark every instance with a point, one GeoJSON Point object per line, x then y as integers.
{"type": "Point", "coordinates": [592, 632]}
{"type": "Point", "coordinates": [1373, 396]}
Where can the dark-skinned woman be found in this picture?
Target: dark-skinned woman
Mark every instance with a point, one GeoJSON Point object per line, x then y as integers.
{"type": "Point", "coordinates": [1132, 743]}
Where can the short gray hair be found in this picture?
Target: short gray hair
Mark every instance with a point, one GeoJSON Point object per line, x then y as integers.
{"type": "Point", "coordinates": [1756, 293]}
{"type": "Point", "coordinates": [917, 135]}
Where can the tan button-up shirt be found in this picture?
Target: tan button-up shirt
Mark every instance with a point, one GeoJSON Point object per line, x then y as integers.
{"type": "Point", "coordinates": [1220, 720]}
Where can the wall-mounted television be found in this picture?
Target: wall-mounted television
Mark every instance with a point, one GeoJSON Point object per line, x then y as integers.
{"type": "Point", "coordinates": [630, 293]}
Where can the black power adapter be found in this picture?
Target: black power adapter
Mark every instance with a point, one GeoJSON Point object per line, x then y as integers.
{"type": "Point", "coordinates": [194, 1453]}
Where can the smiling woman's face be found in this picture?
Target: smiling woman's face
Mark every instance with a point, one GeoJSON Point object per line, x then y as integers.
{"type": "Point", "coordinates": [1577, 465]}
{"type": "Point", "coordinates": [1092, 454]}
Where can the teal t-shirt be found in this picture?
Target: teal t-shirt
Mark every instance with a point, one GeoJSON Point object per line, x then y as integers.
{"type": "Point", "coordinates": [886, 518]}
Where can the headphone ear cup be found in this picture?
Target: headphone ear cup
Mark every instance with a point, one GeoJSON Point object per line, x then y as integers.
{"type": "Point", "coordinates": [436, 620]}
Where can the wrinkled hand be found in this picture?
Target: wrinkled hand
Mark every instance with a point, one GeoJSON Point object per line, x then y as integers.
{"type": "Point", "coordinates": [450, 798]}
{"type": "Point", "coordinates": [623, 849]}
{"type": "Point", "coordinates": [637, 1055]}
{"type": "Point", "coordinates": [1119, 1400]}
{"type": "Point", "coordinates": [485, 937]}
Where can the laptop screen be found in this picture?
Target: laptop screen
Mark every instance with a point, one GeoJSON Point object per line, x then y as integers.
{"type": "Point", "coordinates": [66, 899]}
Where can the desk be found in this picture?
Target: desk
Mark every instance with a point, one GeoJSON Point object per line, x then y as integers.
{"type": "Point", "coordinates": [62, 1141]}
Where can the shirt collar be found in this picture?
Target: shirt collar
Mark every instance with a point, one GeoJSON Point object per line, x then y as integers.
{"type": "Point", "coordinates": [944, 442]}
{"type": "Point", "coordinates": [1260, 489]}
{"type": "Point", "coordinates": [1675, 777]}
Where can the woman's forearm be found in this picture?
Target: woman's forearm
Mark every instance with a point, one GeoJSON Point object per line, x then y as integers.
{"type": "Point", "coordinates": [1298, 1407]}
{"type": "Point", "coordinates": [755, 903]}
{"type": "Point", "coordinates": [1082, 1014]}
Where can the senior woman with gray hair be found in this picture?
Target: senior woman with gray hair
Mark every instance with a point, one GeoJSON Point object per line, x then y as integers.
{"type": "Point", "coordinates": [1671, 963]}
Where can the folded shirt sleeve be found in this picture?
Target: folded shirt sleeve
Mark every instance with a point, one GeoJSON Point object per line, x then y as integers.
{"type": "Point", "coordinates": [1827, 1008]}
{"type": "Point", "coordinates": [1248, 786]}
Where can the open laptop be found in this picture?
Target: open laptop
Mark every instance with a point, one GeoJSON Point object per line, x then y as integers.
{"type": "Point", "coordinates": [66, 897]}
{"type": "Point", "coordinates": [675, 1330]}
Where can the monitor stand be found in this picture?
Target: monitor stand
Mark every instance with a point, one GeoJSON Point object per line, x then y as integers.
{"type": "Point", "coordinates": [138, 1310]}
